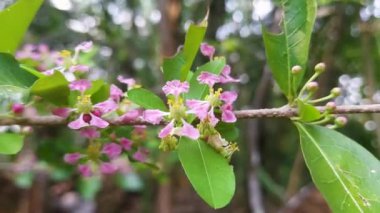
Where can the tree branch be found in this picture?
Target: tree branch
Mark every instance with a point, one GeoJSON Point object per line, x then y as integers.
{"type": "Point", "coordinates": [282, 112]}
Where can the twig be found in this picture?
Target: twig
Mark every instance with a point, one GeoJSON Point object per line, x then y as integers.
{"type": "Point", "coordinates": [282, 112]}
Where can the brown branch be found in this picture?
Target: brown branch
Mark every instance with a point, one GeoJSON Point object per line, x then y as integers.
{"type": "Point", "coordinates": [282, 112]}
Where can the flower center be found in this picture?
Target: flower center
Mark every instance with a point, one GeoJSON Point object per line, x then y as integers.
{"type": "Point", "coordinates": [214, 97]}
{"type": "Point", "coordinates": [87, 118]}
{"type": "Point", "coordinates": [84, 104]}
{"type": "Point", "coordinates": [177, 109]}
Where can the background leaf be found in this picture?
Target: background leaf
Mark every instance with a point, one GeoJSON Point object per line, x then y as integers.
{"type": "Point", "coordinates": [53, 88]}
{"type": "Point", "coordinates": [146, 99]}
{"type": "Point", "coordinates": [291, 47]}
{"type": "Point", "coordinates": [14, 22]}
{"type": "Point", "coordinates": [346, 174]}
{"type": "Point", "coordinates": [11, 143]}
{"type": "Point", "coordinates": [209, 172]}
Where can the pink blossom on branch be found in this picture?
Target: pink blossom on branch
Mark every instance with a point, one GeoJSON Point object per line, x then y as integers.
{"type": "Point", "coordinates": [84, 46]}
{"type": "Point", "coordinates": [208, 78]}
{"type": "Point", "coordinates": [128, 81]}
{"type": "Point", "coordinates": [108, 168]}
{"type": "Point", "coordinates": [80, 85]}
{"type": "Point", "coordinates": [86, 120]}
{"type": "Point", "coordinates": [112, 150]}
{"type": "Point", "coordinates": [207, 50]}
{"type": "Point", "coordinates": [72, 158]}
{"type": "Point", "coordinates": [85, 170]}
{"type": "Point", "coordinates": [175, 88]}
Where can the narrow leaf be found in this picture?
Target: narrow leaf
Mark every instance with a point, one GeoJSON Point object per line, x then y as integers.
{"type": "Point", "coordinates": [291, 47]}
{"type": "Point", "coordinates": [146, 99]}
{"type": "Point", "coordinates": [11, 143]}
{"type": "Point", "coordinates": [209, 172]}
{"type": "Point", "coordinates": [346, 174]}
{"type": "Point", "coordinates": [14, 22]}
{"type": "Point", "coordinates": [53, 88]}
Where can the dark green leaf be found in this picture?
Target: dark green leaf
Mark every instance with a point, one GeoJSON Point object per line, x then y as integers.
{"type": "Point", "coordinates": [308, 112]}
{"type": "Point", "coordinates": [291, 47]}
{"type": "Point", "coordinates": [346, 174]}
{"type": "Point", "coordinates": [11, 73]}
{"type": "Point", "coordinates": [197, 90]}
{"type": "Point", "coordinates": [32, 71]}
{"type": "Point", "coordinates": [209, 172]}
{"type": "Point", "coordinates": [172, 67]}
{"type": "Point", "coordinates": [14, 22]}
{"type": "Point", "coordinates": [228, 131]}
{"type": "Point", "coordinates": [146, 99]}
{"type": "Point", "coordinates": [11, 143]}
{"type": "Point", "coordinates": [53, 88]}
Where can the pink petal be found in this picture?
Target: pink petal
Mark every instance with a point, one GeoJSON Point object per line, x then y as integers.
{"type": "Point", "coordinates": [90, 133]}
{"type": "Point", "coordinates": [112, 150]}
{"type": "Point", "coordinates": [153, 116]}
{"type": "Point", "coordinates": [228, 97]}
{"type": "Point", "coordinates": [108, 168]}
{"type": "Point", "coordinates": [84, 46]}
{"type": "Point", "coordinates": [106, 106]}
{"type": "Point", "coordinates": [128, 81]}
{"type": "Point", "coordinates": [189, 131]}
{"type": "Point", "coordinates": [61, 112]}
{"type": "Point", "coordinates": [141, 155]}
{"type": "Point", "coordinates": [126, 143]}
{"type": "Point", "coordinates": [208, 78]}
{"type": "Point", "coordinates": [79, 68]}
{"type": "Point", "coordinates": [85, 170]}
{"type": "Point", "coordinates": [116, 93]}
{"type": "Point", "coordinates": [167, 130]}
{"type": "Point", "coordinates": [78, 123]}
{"type": "Point", "coordinates": [228, 115]}
{"type": "Point", "coordinates": [98, 122]}
{"type": "Point", "coordinates": [207, 50]}
{"type": "Point", "coordinates": [211, 116]}
{"type": "Point", "coordinates": [129, 116]}
{"type": "Point", "coordinates": [225, 77]}
{"type": "Point", "coordinates": [200, 108]}
{"type": "Point", "coordinates": [72, 158]}
{"type": "Point", "coordinates": [80, 85]}
{"type": "Point", "coordinates": [175, 88]}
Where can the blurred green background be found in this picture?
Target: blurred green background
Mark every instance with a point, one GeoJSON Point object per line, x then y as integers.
{"type": "Point", "coordinates": [132, 38]}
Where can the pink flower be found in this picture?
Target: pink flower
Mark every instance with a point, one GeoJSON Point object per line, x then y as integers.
{"type": "Point", "coordinates": [154, 116]}
{"type": "Point", "coordinates": [49, 72]}
{"type": "Point", "coordinates": [228, 115]}
{"type": "Point", "coordinates": [80, 85]}
{"type": "Point", "coordinates": [85, 170]}
{"type": "Point", "coordinates": [61, 112]}
{"type": "Point", "coordinates": [112, 150]}
{"type": "Point", "coordinates": [189, 131]}
{"type": "Point", "coordinates": [167, 130]}
{"type": "Point", "coordinates": [86, 120]}
{"type": "Point", "coordinates": [128, 81]}
{"type": "Point", "coordinates": [225, 76]}
{"type": "Point", "coordinates": [126, 143]}
{"type": "Point", "coordinates": [207, 50]}
{"type": "Point", "coordinates": [175, 88]}
{"type": "Point", "coordinates": [116, 93]}
{"type": "Point", "coordinates": [79, 68]}
{"type": "Point", "coordinates": [208, 78]}
{"type": "Point", "coordinates": [90, 133]}
{"type": "Point", "coordinates": [228, 97]}
{"type": "Point", "coordinates": [18, 108]}
{"type": "Point", "coordinates": [106, 106]}
{"type": "Point", "coordinates": [141, 155]}
{"type": "Point", "coordinates": [108, 168]}
{"type": "Point", "coordinates": [200, 108]}
{"type": "Point", "coordinates": [84, 46]}
{"type": "Point", "coordinates": [129, 116]}
{"type": "Point", "coordinates": [72, 158]}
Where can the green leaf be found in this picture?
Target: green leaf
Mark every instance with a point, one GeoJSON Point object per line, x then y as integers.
{"type": "Point", "coordinates": [179, 66]}
{"type": "Point", "coordinates": [146, 99]}
{"type": "Point", "coordinates": [53, 88]}
{"type": "Point", "coordinates": [89, 187]}
{"type": "Point", "coordinates": [324, 2]}
{"type": "Point", "coordinates": [11, 73]}
{"type": "Point", "coordinates": [99, 91]}
{"type": "Point", "coordinates": [291, 47]}
{"type": "Point", "coordinates": [228, 131]}
{"type": "Point", "coordinates": [346, 174]}
{"type": "Point", "coordinates": [14, 22]}
{"type": "Point", "coordinates": [209, 172]}
{"type": "Point", "coordinates": [308, 112]}
{"type": "Point", "coordinates": [11, 143]}
{"type": "Point", "coordinates": [197, 90]}
{"type": "Point", "coordinates": [32, 71]}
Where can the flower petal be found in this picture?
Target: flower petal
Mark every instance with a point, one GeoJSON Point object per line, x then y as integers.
{"type": "Point", "coordinates": [98, 122]}
{"type": "Point", "coordinates": [90, 133]}
{"type": "Point", "coordinates": [175, 88]}
{"type": "Point", "coordinates": [78, 123]}
{"type": "Point", "coordinates": [126, 143]}
{"type": "Point", "coordinates": [116, 93]}
{"type": "Point", "coordinates": [189, 131]}
{"type": "Point", "coordinates": [207, 50]}
{"type": "Point", "coordinates": [208, 78]}
{"type": "Point", "coordinates": [106, 106]}
{"type": "Point", "coordinates": [167, 130]}
{"type": "Point", "coordinates": [108, 168]}
{"type": "Point", "coordinates": [200, 108]}
{"type": "Point", "coordinates": [85, 170]}
{"type": "Point", "coordinates": [112, 150]}
{"type": "Point", "coordinates": [72, 158]}
{"type": "Point", "coordinates": [141, 155]}
{"type": "Point", "coordinates": [228, 97]}
{"type": "Point", "coordinates": [153, 116]}
{"type": "Point", "coordinates": [84, 46]}
{"type": "Point", "coordinates": [80, 85]}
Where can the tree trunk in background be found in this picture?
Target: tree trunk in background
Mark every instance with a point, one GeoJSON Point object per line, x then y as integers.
{"type": "Point", "coordinates": [169, 25]}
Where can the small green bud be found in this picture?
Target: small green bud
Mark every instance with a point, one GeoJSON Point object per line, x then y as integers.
{"type": "Point", "coordinates": [312, 86]}
{"type": "Point", "coordinates": [336, 92]}
{"type": "Point", "coordinates": [168, 143]}
{"type": "Point", "coordinates": [340, 121]}
{"type": "Point", "coordinates": [320, 68]}
{"type": "Point", "coordinates": [296, 69]}
{"type": "Point", "coordinates": [330, 106]}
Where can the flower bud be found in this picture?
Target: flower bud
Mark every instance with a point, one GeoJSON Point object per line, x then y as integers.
{"type": "Point", "coordinates": [312, 86]}
{"type": "Point", "coordinates": [320, 68]}
{"type": "Point", "coordinates": [17, 108]}
{"type": "Point", "coordinates": [340, 121]}
{"type": "Point", "coordinates": [330, 106]}
{"type": "Point", "coordinates": [336, 91]}
{"type": "Point", "coordinates": [296, 69]}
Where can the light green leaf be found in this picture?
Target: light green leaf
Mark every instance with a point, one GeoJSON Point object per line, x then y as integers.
{"type": "Point", "coordinates": [209, 172]}
{"type": "Point", "coordinates": [291, 47]}
{"type": "Point", "coordinates": [146, 99]}
{"type": "Point", "coordinates": [308, 112]}
{"type": "Point", "coordinates": [11, 73]}
{"type": "Point", "coordinates": [14, 22]}
{"type": "Point", "coordinates": [53, 88]}
{"type": "Point", "coordinates": [324, 2]}
{"type": "Point", "coordinates": [99, 91]}
{"type": "Point", "coordinates": [197, 90]}
{"type": "Point", "coordinates": [346, 174]}
{"type": "Point", "coordinates": [11, 143]}
{"type": "Point", "coordinates": [89, 187]}
{"type": "Point", "coordinates": [179, 66]}
{"type": "Point", "coordinates": [32, 71]}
